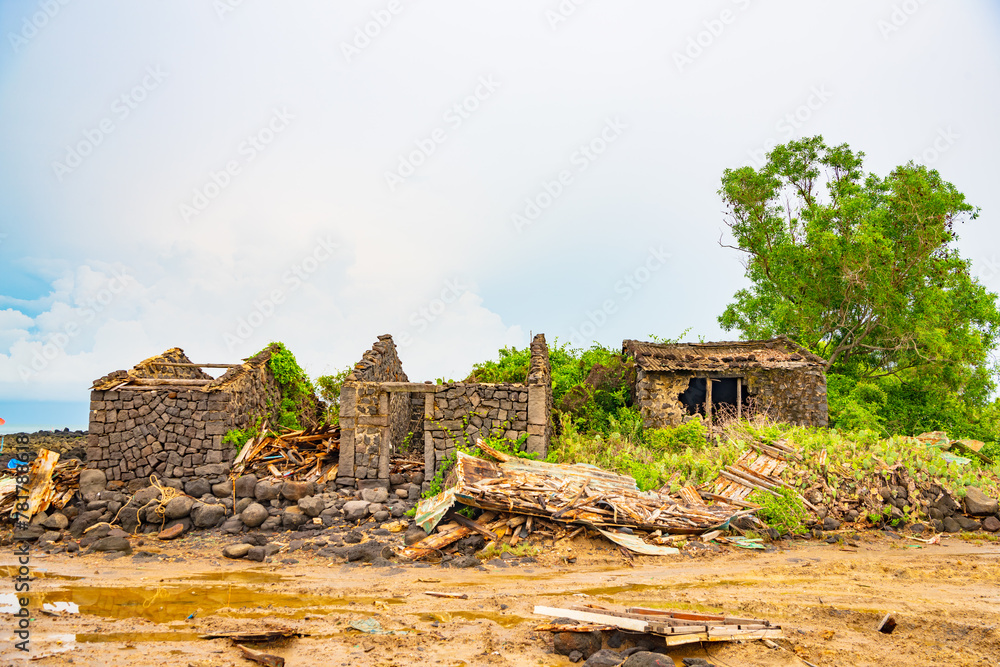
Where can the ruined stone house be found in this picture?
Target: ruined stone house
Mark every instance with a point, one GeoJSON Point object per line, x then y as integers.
{"type": "Point", "coordinates": [381, 412]}
{"type": "Point", "coordinates": [774, 376]}
{"type": "Point", "coordinates": [167, 417]}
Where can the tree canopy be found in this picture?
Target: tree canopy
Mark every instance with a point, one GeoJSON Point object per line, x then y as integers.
{"type": "Point", "coordinates": [861, 269]}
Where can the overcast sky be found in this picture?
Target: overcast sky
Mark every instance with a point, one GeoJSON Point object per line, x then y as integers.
{"type": "Point", "coordinates": [460, 174]}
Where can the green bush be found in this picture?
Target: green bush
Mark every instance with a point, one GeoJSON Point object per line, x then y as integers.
{"type": "Point", "coordinates": [298, 396]}
{"type": "Point", "coordinates": [785, 513]}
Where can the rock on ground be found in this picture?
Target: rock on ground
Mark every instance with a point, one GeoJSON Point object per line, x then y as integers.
{"type": "Point", "coordinates": [587, 643]}
{"type": "Point", "coordinates": [978, 503]}
{"type": "Point", "coordinates": [236, 550]}
{"type": "Point", "coordinates": [254, 515]}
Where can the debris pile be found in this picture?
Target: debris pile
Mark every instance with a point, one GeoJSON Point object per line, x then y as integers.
{"type": "Point", "coordinates": [547, 497]}
{"type": "Point", "coordinates": [309, 455]}
{"type": "Point", "coordinates": [672, 627]}
{"type": "Point", "coordinates": [51, 483]}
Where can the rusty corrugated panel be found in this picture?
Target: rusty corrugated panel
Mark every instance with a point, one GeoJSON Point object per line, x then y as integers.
{"type": "Point", "coordinates": [430, 511]}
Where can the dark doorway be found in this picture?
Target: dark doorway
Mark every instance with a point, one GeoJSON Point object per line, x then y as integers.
{"type": "Point", "coordinates": [693, 397]}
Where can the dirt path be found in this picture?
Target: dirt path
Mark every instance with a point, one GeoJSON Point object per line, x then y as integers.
{"type": "Point", "coordinates": [134, 610]}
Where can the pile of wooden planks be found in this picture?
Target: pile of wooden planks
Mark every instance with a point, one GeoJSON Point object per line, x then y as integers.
{"type": "Point", "coordinates": [675, 627]}
{"type": "Point", "coordinates": [308, 455]}
{"type": "Point", "coordinates": [497, 528]}
{"type": "Point", "coordinates": [579, 494]}
{"type": "Point", "coordinates": [51, 483]}
{"type": "Point", "coordinates": [757, 469]}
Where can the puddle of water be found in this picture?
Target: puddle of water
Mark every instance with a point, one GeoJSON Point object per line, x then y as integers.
{"type": "Point", "coordinates": [608, 591]}
{"type": "Point", "coordinates": [174, 602]}
{"type": "Point", "coordinates": [242, 576]}
{"type": "Point", "coordinates": [503, 620]}
{"type": "Point", "coordinates": [136, 637]}
{"type": "Point", "coordinates": [11, 571]}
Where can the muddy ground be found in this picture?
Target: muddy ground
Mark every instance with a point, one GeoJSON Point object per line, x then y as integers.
{"type": "Point", "coordinates": [150, 609]}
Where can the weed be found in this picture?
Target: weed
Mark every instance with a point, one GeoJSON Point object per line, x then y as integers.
{"type": "Point", "coordinates": [785, 512]}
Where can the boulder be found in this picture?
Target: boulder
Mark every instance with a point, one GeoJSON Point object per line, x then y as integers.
{"type": "Point", "coordinates": [829, 523]}
{"type": "Point", "coordinates": [143, 496]}
{"type": "Point", "coordinates": [256, 554]}
{"type": "Point", "coordinates": [267, 490]}
{"type": "Point", "coordinates": [312, 506]}
{"type": "Point", "coordinates": [28, 534]}
{"type": "Point", "coordinates": [222, 489]}
{"type": "Point", "coordinates": [209, 516]}
{"type": "Point", "coordinates": [951, 526]}
{"type": "Point", "coordinates": [236, 550]}
{"type": "Point", "coordinates": [178, 508]}
{"type": "Point", "coordinates": [294, 491]}
{"type": "Point", "coordinates": [112, 544]}
{"type": "Point", "coordinates": [380, 516]}
{"type": "Point", "coordinates": [647, 659]}
{"type": "Point", "coordinates": [293, 518]}
{"type": "Point", "coordinates": [376, 495]}
{"type": "Point", "coordinates": [232, 525]}
{"type": "Point", "coordinates": [196, 488]}
{"type": "Point", "coordinates": [271, 524]}
{"type": "Point", "coordinates": [242, 504]}
{"type": "Point", "coordinates": [968, 524]}
{"type": "Point", "coordinates": [57, 521]}
{"type": "Point", "coordinates": [92, 481]}
{"type": "Point", "coordinates": [587, 643]}
{"type": "Point", "coordinates": [991, 524]}
{"type": "Point", "coordinates": [254, 515]}
{"type": "Point", "coordinates": [244, 486]}
{"type": "Point", "coordinates": [356, 510]}
{"type": "Point", "coordinates": [365, 552]}
{"type": "Point", "coordinates": [84, 521]}
{"type": "Point", "coordinates": [978, 503]}
{"type": "Point", "coordinates": [174, 529]}
{"type": "Point", "coordinates": [413, 535]}
{"type": "Point", "coordinates": [604, 658]}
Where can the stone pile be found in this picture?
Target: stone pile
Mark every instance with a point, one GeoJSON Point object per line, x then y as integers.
{"type": "Point", "coordinates": [243, 505]}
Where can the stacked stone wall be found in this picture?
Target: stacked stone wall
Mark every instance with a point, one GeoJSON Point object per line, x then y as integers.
{"type": "Point", "coordinates": [176, 435]}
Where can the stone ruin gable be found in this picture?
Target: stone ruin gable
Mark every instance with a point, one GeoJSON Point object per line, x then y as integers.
{"type": "Point", "coordinates": [778, 376]}
{"type": "Point", "coordinates": [540, 401]}
{"type": "Point", "coordinates": [373, 422]}
{"type": "Point", "coordinates": [379, 407]}
{"type": "Point", "coordinates": [175, 432]}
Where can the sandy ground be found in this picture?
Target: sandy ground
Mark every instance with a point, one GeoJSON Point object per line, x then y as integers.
{"type": "Point", "coordinates": [135, 610]}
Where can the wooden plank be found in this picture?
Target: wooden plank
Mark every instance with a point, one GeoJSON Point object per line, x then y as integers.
{"type": "Point", "coordinates": [411, 387]}
{"type": "Point", "coordinates": [708, 401]}
{"type": "Point", "coordinates": [41, 488]}
{"type": "Point", "coordinates": [180, 382]}
{"type": "Point", "coordinates": [590, 617]}
{"type": "Point", "coordinates": [190, 365]}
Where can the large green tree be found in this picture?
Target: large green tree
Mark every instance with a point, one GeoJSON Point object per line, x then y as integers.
{"type": "Point", "coordinates": [861, 269]}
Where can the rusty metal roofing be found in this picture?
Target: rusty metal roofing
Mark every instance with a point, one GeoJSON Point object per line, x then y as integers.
{"type": "Point", "coordinates": [775, 353]}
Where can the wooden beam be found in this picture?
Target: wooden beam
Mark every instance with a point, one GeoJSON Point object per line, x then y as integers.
{"type": "Point", "coordinates": [151, 382]}
{"type": "Point", "coordinates": [190, 365]}
{"type": "Point", "coordinates": [590, 617]}
{"type": "Point", "coordinates": [708, 400]}
{"type": "Point", "coordinates": [739, 398]}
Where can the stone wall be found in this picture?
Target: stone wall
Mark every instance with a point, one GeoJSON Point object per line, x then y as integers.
{"type": "Point", "coordinates": [796, 396]}
{"type": "Point", "coordinates": [460, 412]}
{"type": "Point", "coordinates": [174, 433]}
{"type": "Point", "coordinates": [372, 421]}
{"type": "Point", "coordinates": [379, 408]}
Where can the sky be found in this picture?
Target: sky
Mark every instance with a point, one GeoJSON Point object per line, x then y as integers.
{"type": "Point", "coordinates": [218, 174]}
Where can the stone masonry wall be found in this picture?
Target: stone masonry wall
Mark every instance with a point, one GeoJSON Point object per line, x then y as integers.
{"type": "Point", "coordinates": [540, 401]}
{"type": "Point", "coordinates": [797, 396]}
{"type": "Point", "coordinates": [372, 421]}
{"type": "Point", "coordinates": [176, 434]}
{"type": "Point", "coordinates": [461, 412]}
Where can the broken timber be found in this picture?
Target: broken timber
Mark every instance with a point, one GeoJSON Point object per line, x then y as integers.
{"type": "Point", "coordinates": [675, 627]}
